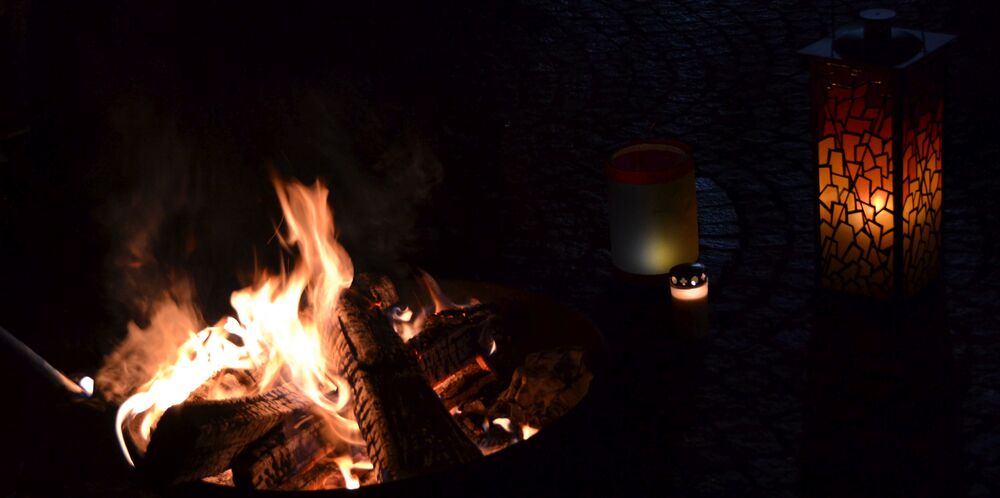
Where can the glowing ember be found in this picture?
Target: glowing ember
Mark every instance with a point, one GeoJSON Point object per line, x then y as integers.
{"type": "Point", "coordinates": [527, 431]}
{"type": "Point", "coordinates": [346, 466]}
{"type": "Point", "coordinates": [502, 422]}
{"type": "Point", "coordinates": [408, 324]}
{"type": "Point", "coordinates": [274, 335]}
{"type": "Point", "coordinates": [482, 363]}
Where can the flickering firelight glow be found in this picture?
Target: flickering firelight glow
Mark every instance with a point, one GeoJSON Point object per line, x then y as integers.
{"type": "Point", "coordinates": [272, 334]}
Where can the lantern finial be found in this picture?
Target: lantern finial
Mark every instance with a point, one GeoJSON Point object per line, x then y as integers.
{"type": "Point", "coordinates": [877, 25]}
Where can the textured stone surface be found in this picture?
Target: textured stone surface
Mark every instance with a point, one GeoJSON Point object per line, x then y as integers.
{"type": "Point", "coordinates": [580, 78]}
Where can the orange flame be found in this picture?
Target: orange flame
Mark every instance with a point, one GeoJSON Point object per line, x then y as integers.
{"type": "Point", "coordinates": [276, 333]}
{"type": "Point", "coordinates": [408, 324]}
{"type": "Point", "coordinates": [347, 466]}
{"type": "Point", "coordinates": [503, 422]}
{"type": "Point", "coordinates": [527, 431]}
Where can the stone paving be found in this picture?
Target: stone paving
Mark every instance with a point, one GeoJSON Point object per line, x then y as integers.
{"type": "Point", "coordinates": [576, 79]}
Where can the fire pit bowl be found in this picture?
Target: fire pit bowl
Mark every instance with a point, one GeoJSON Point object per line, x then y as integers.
{"type": "Point", "coordinates": [536, 323]}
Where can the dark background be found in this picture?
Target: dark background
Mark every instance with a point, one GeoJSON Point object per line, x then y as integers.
{"type": "Point", "coordinates": [468, 139]}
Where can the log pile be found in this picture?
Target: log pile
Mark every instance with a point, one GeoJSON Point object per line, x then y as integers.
{"type": "Point", "coordinates": [461, 351]}
{"type": "Point", "coordinates": [437, 401]}
{"type": "Point", "coordinates": [407, 429]}
{"type": "Point", "coordinates": [452, 339]}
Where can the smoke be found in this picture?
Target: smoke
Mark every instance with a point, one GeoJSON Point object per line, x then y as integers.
{"type": "Point", "coordinates": [194, 208]}
{"type": "Point", "coordinates": [379, 172]}
{"type": "Point", "coordinates": [145, 349]}
{"type": "Point", "coordinates": [150, 298]}
{"type": "Point", "coordinates": [153, 163]}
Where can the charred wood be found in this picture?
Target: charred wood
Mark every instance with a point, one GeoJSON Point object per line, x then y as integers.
{"type": "Point", "coordinates": [467, 382]}
{"type": "Point", "coordinates": [378, 289]}
{"type": "Point", "coordinates": [407, 429]}
{"type": "Point", "coordinates": [279, 459]}
{"type": "Point", "coordinates": [547, 386]}
{"type": "Point", "coordinates": [451, 339]}
{"type": "Point", "coordinates": [200, 438]}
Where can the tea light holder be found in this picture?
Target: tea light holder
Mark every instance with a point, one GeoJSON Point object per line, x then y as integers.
{"type": "Point", "coordinates": [652, 207]}
{"type": "Point", "coordinates": [689, 296]}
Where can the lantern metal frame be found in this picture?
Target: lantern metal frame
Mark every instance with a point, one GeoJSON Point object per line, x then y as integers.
{"type": "Point", "coordinates": [906, 257]}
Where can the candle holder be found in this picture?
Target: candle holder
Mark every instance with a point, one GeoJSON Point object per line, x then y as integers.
{"type": "Point", "coordinates": [653, 210]}
{"type": "Point", "coordinates": [689, 297]}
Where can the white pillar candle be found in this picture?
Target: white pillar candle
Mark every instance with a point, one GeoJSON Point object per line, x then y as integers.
{"type": "Point", "coordinates": [653, 210]}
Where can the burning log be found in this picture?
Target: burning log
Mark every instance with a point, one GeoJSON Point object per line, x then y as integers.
{"type": "Point", "coordinates": [470, 380]}
{"type": "Point", "coordinates": [228, 383]}
{"type": "Point", "coordinates": [200, 438]}
{"type": "Point", "coordinates": [454, 345]}
{"type": "Point", "coordinates": [280, 459]}
{"type": "Point", "coordinates": [407, 429]}
{"type": "Point", "coordinates": [462, 351]}
{"type": "Point", "coordinates": [379, 289]}
{"type": "Point", "coordinates": [451, 339]}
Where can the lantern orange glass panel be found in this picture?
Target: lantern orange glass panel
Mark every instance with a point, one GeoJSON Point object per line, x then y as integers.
{"type": "Point", "coordinates": [877, 106]}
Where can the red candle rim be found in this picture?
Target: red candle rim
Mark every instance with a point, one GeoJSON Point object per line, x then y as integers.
{"type": "Point", "coordinates": [649, 162]}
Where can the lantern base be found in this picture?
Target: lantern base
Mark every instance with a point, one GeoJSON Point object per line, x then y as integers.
{"type": "Point", "coordinates": [899, 317]}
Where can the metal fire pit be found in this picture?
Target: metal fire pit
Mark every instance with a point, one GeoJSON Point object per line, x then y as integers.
{"type": "Point", "coordinates": [540, 324]}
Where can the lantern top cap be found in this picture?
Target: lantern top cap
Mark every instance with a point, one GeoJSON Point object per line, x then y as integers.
{"type": "Point", "coordinates": [877, 42]}
{"type": "Point", "coordinates": [651, 161]}
{"type": "Point", "coordinates": [878, 14]}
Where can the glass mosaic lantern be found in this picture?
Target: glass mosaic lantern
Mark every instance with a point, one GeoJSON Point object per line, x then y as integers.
{"type": "Point", "coordinates": [877, 112]}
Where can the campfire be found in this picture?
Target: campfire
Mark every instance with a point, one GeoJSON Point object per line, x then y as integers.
{"type": "Point", "coordinates": [324, 379]}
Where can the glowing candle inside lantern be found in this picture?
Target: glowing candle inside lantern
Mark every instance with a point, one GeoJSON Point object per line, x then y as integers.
{"type": "Point", "coordinates": [689, 293]}
{"type": "Point", "coordinates": [653, 210]}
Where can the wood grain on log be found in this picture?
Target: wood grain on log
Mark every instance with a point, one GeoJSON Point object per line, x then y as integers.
{"type": "Point", "coordinates": [450, 339]}
{"type": "Point", "coordinates": [276, 460]}
{"type": "Point", "coordinates": [200, 438]}
{"type": "Point", "coordinates": [407, 429]}
{"type": "Point", "coordinates": [464, 384]}
{"type": "Point", "coordinates": [378, 289]}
